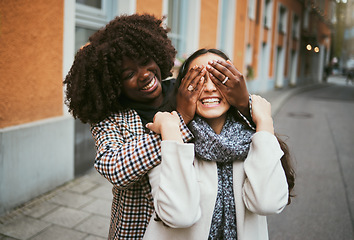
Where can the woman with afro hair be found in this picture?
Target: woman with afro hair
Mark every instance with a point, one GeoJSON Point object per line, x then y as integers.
{"type": "Point", "coordinates": [117, 83]}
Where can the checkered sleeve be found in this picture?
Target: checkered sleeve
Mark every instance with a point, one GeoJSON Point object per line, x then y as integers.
{"type": "Point", "coordinates": [187, 135]}
{"type": "Point", "coordinates": [124, 152]}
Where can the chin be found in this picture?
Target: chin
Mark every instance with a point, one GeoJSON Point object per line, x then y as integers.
{"type": "Point", "coordinates": [211, 115]}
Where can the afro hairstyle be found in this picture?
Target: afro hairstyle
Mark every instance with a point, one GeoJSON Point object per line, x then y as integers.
{"type": "Point", "coordinates": [93, 84]}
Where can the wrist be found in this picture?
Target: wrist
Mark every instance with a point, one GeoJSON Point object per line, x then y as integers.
{"type": "Point", "coordinates": [265, 125]}
{"type": "Point", "coordinates": [171, 132]}
{"type": "Point", "coordinates": [245, 107]}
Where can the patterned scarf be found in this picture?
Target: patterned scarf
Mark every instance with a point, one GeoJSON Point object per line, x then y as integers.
{"type": "Point", "coordinates": [232, 144]}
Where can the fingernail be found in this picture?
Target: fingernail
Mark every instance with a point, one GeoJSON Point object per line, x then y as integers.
{"type": "Point", "coordinates": [208, 66]}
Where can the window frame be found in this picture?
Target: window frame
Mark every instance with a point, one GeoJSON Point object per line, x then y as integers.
{"type": "Point", "coordinates": [94, 18]}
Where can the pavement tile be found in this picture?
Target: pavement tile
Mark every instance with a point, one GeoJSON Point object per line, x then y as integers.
{"type": "Point", "coordinates": [70, 199]}
{"type": "Point", "coordinates": [39, 209]}
{"type": "Point", "coordinates": [66, 217]}
{"type": "Point", "coordinates": [23, 227]}
{"type": "Point", "coordinates": [99, 207]}
{"type": "Point", "coordinates": [83, 187]}
{"type": "Point", "coordinates": [104, 192]}
{"type": "Point", "coordinates": [59, 233]}
{"type": "Point", "coordinates": [3, 237]}
{"type": "Point", "coordinates": [96, 225]}
{"type": "Point", "coordinates": [94, 176]}
{"type": "Point", "coordinates": [90, 237]}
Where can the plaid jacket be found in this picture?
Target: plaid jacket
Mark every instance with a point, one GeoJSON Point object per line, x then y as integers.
{"type": "Point", "coordinates": [125, 153]}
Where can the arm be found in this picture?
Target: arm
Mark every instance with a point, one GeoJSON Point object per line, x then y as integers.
{"type": "Point", "coordinates": [265, 190]}
{"type": "Point", "coordinates": [174, 184]}
{"type": "Point", "coordinates": [124, 152]}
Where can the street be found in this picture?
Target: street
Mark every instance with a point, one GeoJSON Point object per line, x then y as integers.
{"type": "Point", "coordinates": [318, 127]}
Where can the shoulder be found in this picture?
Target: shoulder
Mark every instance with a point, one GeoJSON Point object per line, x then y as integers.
{"type": "Point", "coordinates": [123, 119]}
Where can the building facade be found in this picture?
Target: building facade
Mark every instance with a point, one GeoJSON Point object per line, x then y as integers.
{"type": "Point", "coordinates": [347, 55]}
{"type": "Point", "coordinates": [42, 146]}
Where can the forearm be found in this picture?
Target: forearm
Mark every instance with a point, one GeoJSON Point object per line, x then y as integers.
{"type": "Point", "coordinates": [175, 187]}
{"type": "Point", "coordinates": [265, 189]}
{"type": "Point", "coordinates": [126, 163]}
{"type": "Point", "coordinates": [124, 153]}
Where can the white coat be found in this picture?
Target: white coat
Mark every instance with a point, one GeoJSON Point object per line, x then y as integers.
{"type": "Point", "coordinates": [185, 189]}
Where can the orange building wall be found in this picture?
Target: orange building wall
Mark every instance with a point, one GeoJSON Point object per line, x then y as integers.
{"type": "Point", "coordinates": [255, 37]}
{"type": "Point", "coordinates": [240, 34]}
{"type": "Point", "coordinates": [294, 7]}
{"type": "Point", "coordinates": [31, 49]}
{"type": "Point", "coordinates": [323, 32]}
{"type": "Point", "coordinates": [208, 23]}
{"type": "Point", "coordinates": [149, 6]}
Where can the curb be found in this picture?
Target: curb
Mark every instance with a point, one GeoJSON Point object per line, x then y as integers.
{"type": "Point", "coordinates": [278, 97]}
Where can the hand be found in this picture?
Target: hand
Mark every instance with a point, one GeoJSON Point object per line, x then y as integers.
{"type": "Point", "coordinates": [189, 92]}
{"type": "Point", "coordinates": [262, 114]}
{"type": "Point", "coordinates": [162, 120]}
{"type": "Point", "coordinates": [166, 124]}
{"type": "Point", "coordinates": [234, 89]}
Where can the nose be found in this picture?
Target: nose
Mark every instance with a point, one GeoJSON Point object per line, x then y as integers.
{"type": "Point", "coordinates": [209, 86]}
{"type": "Point", "coordinates": [144, 74]}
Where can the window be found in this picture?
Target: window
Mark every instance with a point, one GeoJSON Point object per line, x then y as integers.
{"type": "Point", "coordinates": [306, 18]}
{"type": "Point", "coordinates": [249, 51]}
{"type": "Point", "coordinates": [251, 9]}
{"type": "Point", "coordinates": [176, 21]}
{"type": "Point", "coordinates": [90, 16]}
{"type": "Point", "coordinates": [91, 3]}
{"type": "Point", "coordinates": [268, 14]}
{"type": "Point", "coordinates": [296, 27]}
{"type": "Point", "coordinates": [226, 26]}
{"type": "Point", "coordinates": [282, 19]}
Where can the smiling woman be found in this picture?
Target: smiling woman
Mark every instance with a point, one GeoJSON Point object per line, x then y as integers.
{"type": "Point", "coordinates": [224, 183]}
{"type": "Point", "coordinates": [117, 84]}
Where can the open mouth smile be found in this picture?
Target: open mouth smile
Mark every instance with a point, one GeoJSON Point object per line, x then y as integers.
{"type": "Point", "coordinates": [210, 101]}
{"type": "Point", "coordinates": [150, 85]}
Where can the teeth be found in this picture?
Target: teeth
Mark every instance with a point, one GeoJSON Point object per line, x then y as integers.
{"type": "Point", "coordinates": [150, 84]}
{"type": "Point", "coordinates": [210, 100]}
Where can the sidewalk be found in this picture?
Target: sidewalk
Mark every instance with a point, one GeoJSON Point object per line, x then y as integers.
{"type": "Point", "coordinates": [80, 209]}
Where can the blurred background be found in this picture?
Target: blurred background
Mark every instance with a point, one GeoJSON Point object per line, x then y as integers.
{"type": "Point", "coordinates": [276, 44]}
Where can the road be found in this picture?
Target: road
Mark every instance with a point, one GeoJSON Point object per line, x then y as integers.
{"type": "Point", "coordinates": [318, 125]}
